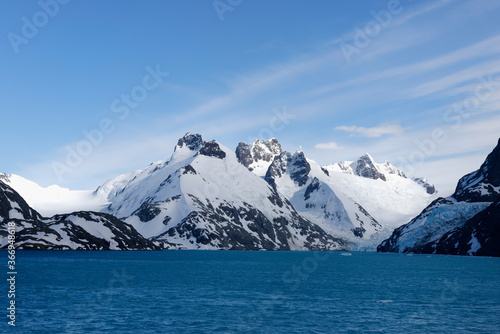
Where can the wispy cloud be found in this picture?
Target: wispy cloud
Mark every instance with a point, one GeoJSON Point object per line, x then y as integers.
{"type": "Point", "coordinates": [328, 146]}
{"type": "Point", "coordinates": [349, 36]}
{"type": "Point", "coordinates": [420, 11]}
{"type": "Point", "coordinates": [472, 73]}
{"type": "Point", "coordinates": [247, 85]}
{"type": "Point", "coordinates": [487, 47]}
{"type": "Point", "coordinates": [373, 132]}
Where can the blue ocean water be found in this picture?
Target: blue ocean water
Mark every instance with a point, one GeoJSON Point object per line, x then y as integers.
{"type": "Point", "coordinates": [253, 292]}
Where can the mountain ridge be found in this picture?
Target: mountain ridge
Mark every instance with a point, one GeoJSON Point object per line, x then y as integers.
{"type": "Point", "coordinates": [206, 196]}
{"type": "Point", "coordinates": [78, 230]}
{"type": "Point", "coordinates": [471, 208]}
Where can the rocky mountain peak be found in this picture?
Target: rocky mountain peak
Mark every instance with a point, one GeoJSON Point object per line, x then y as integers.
{"type": "Point", "coordinates": [4, 177]}
{"type": "Point", "coordinates": [212, 149]}
{"type": "Point", "coordinates": [391, 169]}
{"type": "Point", "coordinates": [482, 185]}
{"type": "Point", "coordinates": [260, 154]}
{"type": "Point", "coordinates": [366, 167]}
{"type": "Point", "coordinates": [274, 146]}
{"type": "Point", "coordinates": [299, 168]}
{"type": "Point", "coordinates": [192, 141]}
{"type": "Point", "coordinates": [243, 154]}
{"type": "Point", "coordinates": [13, 206]}
{"type": "Point", "coordinates": [277, 168]}
{"type": "Point", "coordinates": [429, 188]}
{"type": "Point", "coordinates": [265, 150]}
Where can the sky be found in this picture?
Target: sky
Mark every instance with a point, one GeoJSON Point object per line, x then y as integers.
{"type": "Point", "coordinates": [93, 89]}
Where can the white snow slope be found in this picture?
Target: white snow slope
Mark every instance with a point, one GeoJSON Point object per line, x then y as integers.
{"type": "Point", "coordinates": [53, 199]}
{"type": "Point", "coordinates": [365, 197]}
{"type": "Point", "coordinates": [205, 180]}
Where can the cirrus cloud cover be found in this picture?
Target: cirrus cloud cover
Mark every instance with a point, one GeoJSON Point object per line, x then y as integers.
{"type": "Point", "coordinates": [373, 132]}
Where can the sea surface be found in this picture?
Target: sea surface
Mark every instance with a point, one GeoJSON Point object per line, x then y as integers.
{"type": "Point", "coordinates": [252, 292]}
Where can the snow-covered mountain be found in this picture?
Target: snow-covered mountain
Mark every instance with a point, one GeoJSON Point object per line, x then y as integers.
{"type": "Point", "coordinates": [480, 235]}
{"type": "Point", "coordinates": [465, 223]}
{"type": "Point", "coordinates": [79, 230]}
{"type": "Point", "coordinates": [52, 200]}
{"type": "Point", "coordinates": [366, 167]}
{"type": "Point", "coordinates": [206, 196]}
{"type": "Point", "coordinates": [258, 156]}
{"type": "Point", "coordinates": [203, 198]}
{"type": "Point", "coordinates": [362, 201]}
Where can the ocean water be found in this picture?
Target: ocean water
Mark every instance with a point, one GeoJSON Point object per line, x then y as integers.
{"type": "Point", "coordinates": [253, 292]}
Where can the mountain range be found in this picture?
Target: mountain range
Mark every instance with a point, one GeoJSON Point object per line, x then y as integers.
{"type": "Point", "coordinates": [206, 196]}
{"type": "Point", "coordinates": [361, 201]}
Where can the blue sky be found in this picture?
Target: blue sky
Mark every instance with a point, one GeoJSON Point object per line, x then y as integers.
{"type": "Point", "coordinates": [416, 83]}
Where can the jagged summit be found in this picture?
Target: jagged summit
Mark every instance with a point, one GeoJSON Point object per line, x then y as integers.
{"type": "Point", "coordinates": [343, 198]}
{"type": "Point", "coordinates": [391, 169]}
{"type": "Point", "coordinates": [203, 198]}
{"type": "Point", "coordinates": [191, 141]}
{"type": "Point", "coordinates": [4, 177]}
{"type": "Point", "coordinates": [259, 155]}
{"type": "Point", "coordinates": [365, 166]}
{"type": "Point", "coordinates": [367, 156]}
{"type": "Point", "coordinates": [299, 168]}
{"type": "Point", "coordinates": [13, 206]}
{"type": "Point", "coordinates": [212, 149]}
{"type": "Point", "coordinates": [482, 184]}
{"type": "Point", "coordinates": [424, 183]}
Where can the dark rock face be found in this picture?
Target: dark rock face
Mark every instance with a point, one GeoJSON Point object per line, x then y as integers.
{"type": "Point", "coordinates": [313, 186]}
{"type": "Point", "coordinates": [429, 188]}
{"type": "Point", "coordinates": [188, 169]}
{"type": "Point", "coordinates": [260, 150]}
{"type": "Point", "coordinates": [276, 200]}
{"type": "Point", "coordinates": [372, 221]}
{"type": "Point", "coordinates": [212, 149]}
{"type": "Point", "coordinates": [359, 231]}
{"type": "Point", "coordinates": [296, 165]}
{"type": "Point", "coordinates": [482, 230]}
{"type": "Point", "coordinates": [259, 153]}
{"type": "Point", "coordinates": [4, 178]}
{"type": "Point", "coordinates": [124, 234]}
{"type": "Point", "coordinates": [277, 168]}
{"type": "Point", "coordinates": [12, 203]}
{"type": "Point", "coordinates": [480, 236]}
{"type": "Point", "coordinates": [478, 186]}
{"type": "Point", "coordinates": [192, 141]}
{"type": "Point", "coordinates": [243, 154]}
{"type": "Point", "coordinates": [365, 167]}
{"type": "Point", "coordinates": [223, 228]}
{"type": "Point", "coordinates": [299, 168]}
{"type": "Point", "coordinates": [147, 211]}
